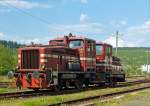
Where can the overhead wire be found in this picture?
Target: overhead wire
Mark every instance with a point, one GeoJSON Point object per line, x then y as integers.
{"type": "Point", "coordinates": [29, 14]}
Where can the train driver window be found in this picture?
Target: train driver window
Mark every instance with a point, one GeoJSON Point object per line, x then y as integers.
{"type": "Point", "coordinates": [99, 49]}
{"type": "Point", "coordinates": [76, 44]}
{"type": "Point", "coordinates": [90, 46]}
{"type": "Point", "coordinates": [108, 51]}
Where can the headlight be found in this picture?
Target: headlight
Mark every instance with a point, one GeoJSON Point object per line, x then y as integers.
{"type": "Point", "coordinates": [17, 67]}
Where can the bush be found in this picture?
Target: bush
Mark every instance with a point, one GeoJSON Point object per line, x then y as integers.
{"type": "Point", "coordinates": [133, 70]}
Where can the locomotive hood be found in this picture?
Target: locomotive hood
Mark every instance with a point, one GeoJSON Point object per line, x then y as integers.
{"type": "Point", "coordinates": [37, 57]}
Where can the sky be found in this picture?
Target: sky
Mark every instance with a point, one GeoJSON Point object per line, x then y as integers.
{"type": "Point", "coordinates": [39, 21]}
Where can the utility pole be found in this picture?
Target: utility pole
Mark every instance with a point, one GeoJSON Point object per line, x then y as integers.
{"type": "Point", "coordinates": [147, 59]}
{"type": "Point", "coordinates": [117, 34]}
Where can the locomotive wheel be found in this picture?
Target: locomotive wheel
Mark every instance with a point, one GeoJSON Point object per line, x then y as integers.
{"type": "Point", "coordinates": [78, 84]}
{"type": "Point", "coordinates": [36, 89]}
{"type": "Point", "coordinates": [102, 84]}
{"type": "Point", "coordinates": [18, 83]}
{"type": "Point", "coordinates": [86, 83]}
{"type": "Point", "coordinates": [113, 82]}
{"type": "Point", "coordinates": [67, 85]}
{"type": "Point", "coordinates": [57, 88]}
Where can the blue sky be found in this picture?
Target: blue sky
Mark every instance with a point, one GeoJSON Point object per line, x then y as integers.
{"type": "Point", "coordinates": [25, 21]}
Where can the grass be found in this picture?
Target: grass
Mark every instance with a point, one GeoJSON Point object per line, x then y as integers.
{"type": "Point", "coordinates": [141, 98]}
{"type": "Point", "coordinates": [4, 78]}
{"type": "Point", "coordinates": [45, 100]}
{"type": "Point", "coordinates": [2, 90]}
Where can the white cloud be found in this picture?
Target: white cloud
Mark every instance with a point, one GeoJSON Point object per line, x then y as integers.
{"type": "Point", "coordinates": [2, 34]}
{"type": "Point", "coordinates": [84, 1]}
{"type": "Point", "coordinates": [112, 40]}
{"type": "Point", "coordinates": [87, 28]}
{"type": "Point", "coordinates": [121, 43]}
{"type": "Point", "coordinates": [119, 24]}
{"type": "Point", "coordinates": [83, 18]}
{"type": "Point", "coordinates": [22, 4]}
{"type": "Point", "coordinates": [40, 39]}
{"type": "Point", "coordinates": [139, 34]}
{"type": "Point", "coordinates": [35, 40]}
{"type": "Point", "coordinates": [123, 22]}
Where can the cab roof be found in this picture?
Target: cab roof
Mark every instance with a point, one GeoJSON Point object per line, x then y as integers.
{"type": "Point", "coordinates": [103, 43]}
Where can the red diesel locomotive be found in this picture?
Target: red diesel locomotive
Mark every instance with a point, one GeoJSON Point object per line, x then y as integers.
{"type": "Point", "coordinates": [67, 61]}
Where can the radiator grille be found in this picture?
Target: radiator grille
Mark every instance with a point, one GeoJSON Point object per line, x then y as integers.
{"type": "Point", "coordinates": [30, 59]}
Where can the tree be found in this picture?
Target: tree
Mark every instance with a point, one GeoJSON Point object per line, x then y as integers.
{"type": "Point", "coordinates": [8, 59]}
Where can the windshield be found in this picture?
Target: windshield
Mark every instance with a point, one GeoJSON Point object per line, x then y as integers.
{"type": "Point", "coordinates": [76, 44]}
{"type": "Point", "coordinates": [99, 49]}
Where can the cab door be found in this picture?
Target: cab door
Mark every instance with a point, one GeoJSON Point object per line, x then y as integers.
{"type": "Point", "coordinates": [90, 55]}
{"type": "Point", "coordinates": [108, 57]}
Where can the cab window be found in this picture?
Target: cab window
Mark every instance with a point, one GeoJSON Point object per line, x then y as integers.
{"type": "Point", "coordinates": [99, 49]}
{"type": "Point", "coordinates": [76, 44]}
{"type": "Point", "coordinates": [108, 50]}
{"type": "Point", "coordinates": [90, 46]}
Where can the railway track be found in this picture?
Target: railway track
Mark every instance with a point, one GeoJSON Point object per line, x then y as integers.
{"type": "Point", "coordinates": [4, 84]}
{"type": "Point", "coordinates": [135, 76]}
{"type": "Point", "coordinates": [26, 94]}
{"type": "Point", "coordinates": [130, 83]}
{"type": "Point", "coordinates": [7, 84]}
{"type": "Point", "coordinates": [89, 101]}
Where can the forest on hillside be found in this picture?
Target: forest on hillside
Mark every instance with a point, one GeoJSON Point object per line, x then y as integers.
{"type": "Point", "coordinates": [10, 44]}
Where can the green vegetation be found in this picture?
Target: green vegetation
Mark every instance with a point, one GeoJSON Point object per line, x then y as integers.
{"type": "Point", "coordinates": [8, 59]}
{"type": "Point", "coordinates": [8, 56]}
{"type": "Point", "coordinates": [133, 58]}
{"type": "Point", "coordinates": [141, 98]}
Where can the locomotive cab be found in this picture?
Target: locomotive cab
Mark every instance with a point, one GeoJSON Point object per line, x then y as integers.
{"type": "Point", "coordinates": [103, 57]}
{"type": "Point", "coordinates": [84, 46]}
{"type": "Point", "coordinates": [86, 50]}
{"type": "Point", "coordinates": [103, 52]}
